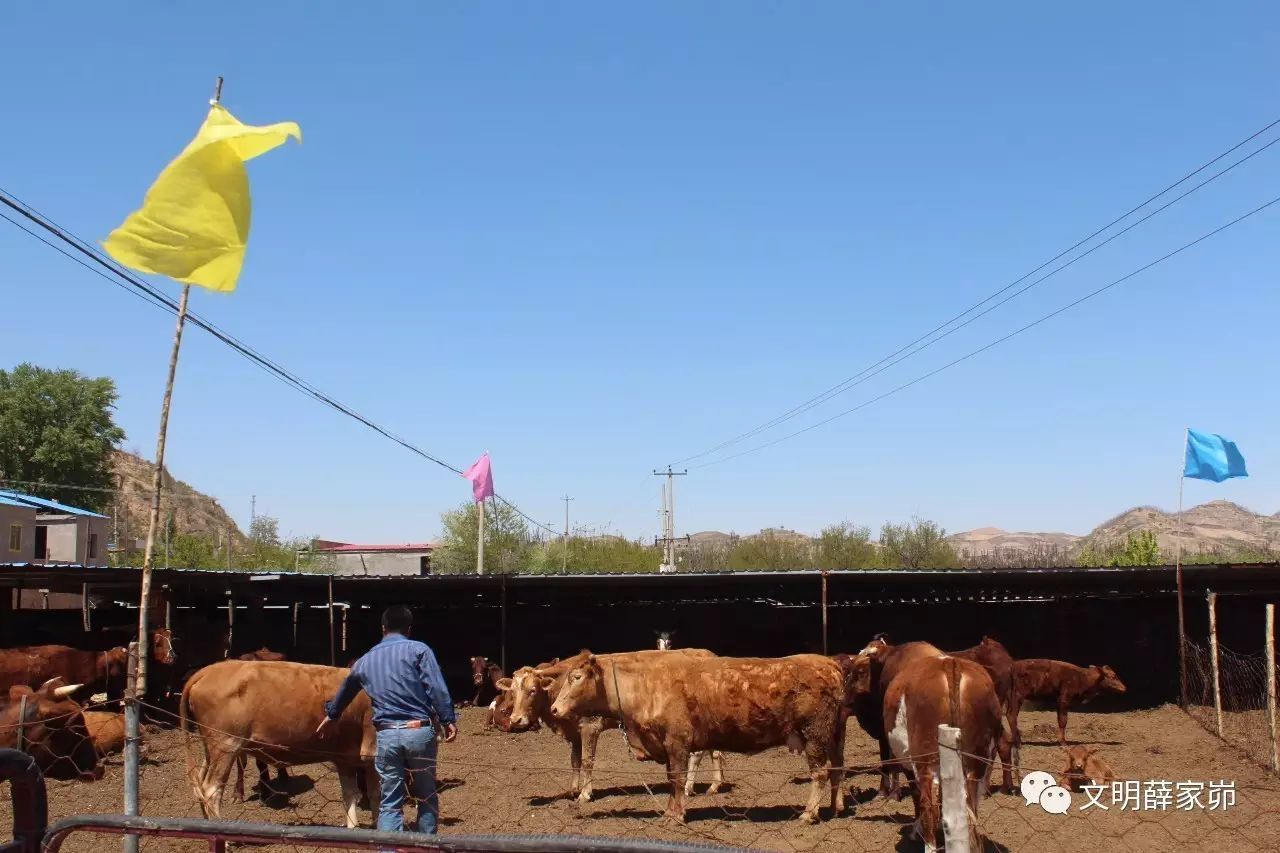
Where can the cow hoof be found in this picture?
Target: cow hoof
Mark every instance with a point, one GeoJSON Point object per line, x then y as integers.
{"type": "Point", "coordinates": [809, 818]}
{"type": "Point", "coordinates": [585, 796]}
{"type": "Point", "coordinates": [714, 789]}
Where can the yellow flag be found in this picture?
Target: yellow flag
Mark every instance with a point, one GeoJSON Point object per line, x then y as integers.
{"type": "Point", "coordinates": [194, 223]}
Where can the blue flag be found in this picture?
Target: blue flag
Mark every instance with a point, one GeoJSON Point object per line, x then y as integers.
{"type": "Point", "coordinates": [1212, 457]}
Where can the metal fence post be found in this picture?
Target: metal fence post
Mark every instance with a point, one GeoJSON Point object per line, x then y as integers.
{"type": "Point", "coordinates": [955, 811]}
{"type": "Point", "coordinates": [1270, 646]}
{"type": "Point", "coordinates": [131, 736]}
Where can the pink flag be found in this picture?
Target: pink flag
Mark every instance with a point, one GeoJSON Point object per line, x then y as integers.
{"type": "Point", "coordinates": [481, 477]}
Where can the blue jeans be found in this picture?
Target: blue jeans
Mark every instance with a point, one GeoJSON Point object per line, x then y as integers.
{"type": "Point", "coordinates": [410, 752]}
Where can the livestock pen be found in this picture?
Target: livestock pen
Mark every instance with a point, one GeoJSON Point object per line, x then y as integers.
{"type": "Point", "coordinates": [497, 782]}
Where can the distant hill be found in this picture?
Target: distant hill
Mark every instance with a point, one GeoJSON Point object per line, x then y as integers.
{"type": "Point", "coordinates": [990, 540]}
{"type": "Point", "coordinates": [1218, 527]}
{"type": "Point", "coordinates": [194, 513]}
{"type": "Point", "coordinates": [1215, 527]}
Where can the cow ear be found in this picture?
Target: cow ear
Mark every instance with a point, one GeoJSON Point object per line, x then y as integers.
{"type": "Point", "coordinates": [503, 684]}
{"type": "Point", "coordinates": [546, 682]}
{"type": "Point", "coordinates": [17, 691]}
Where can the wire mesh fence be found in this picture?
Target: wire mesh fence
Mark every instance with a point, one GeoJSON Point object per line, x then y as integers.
{"type": "Point", "coordinates": [497, 782]}
{"type": "Point", "coordinates": [1242, 692]}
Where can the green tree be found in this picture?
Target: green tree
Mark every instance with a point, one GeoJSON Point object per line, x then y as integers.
{"type": "Point", "coordinates": [57, 426]}
{"type": "Point", "coordinates": [919, 545]}
{"type": "Point", "coordinates": [603, 553]}
{"type": "Point", "coordinates": [508, 544]}
{"type": "Point", "coordinates": [265, 531]}
{"type": "Point", "coordinates": [768, 550]}
{"type": "Point", "coordinates": [1140, 548]}
{"type": "Point", "coordinates": [846, 546]}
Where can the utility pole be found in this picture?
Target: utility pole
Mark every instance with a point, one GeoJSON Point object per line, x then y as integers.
{"type": "Point", "coordinates": [564, 560]}
{"type": "Point", "coordinates": [253, 512]}
{"type": "Point", "coordinates": [668, 538]}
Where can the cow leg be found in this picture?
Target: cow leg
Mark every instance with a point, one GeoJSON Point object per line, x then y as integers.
{"type": "Point", "coordinates": [237, 790]}
{"type": "Point", "coordinates": [835, 778]}
{"type": "Point", "coordinates": [888, 774]}
{"type": "Point", "coordinates": [717, 772]}
{"type": "Point", "coordinates": [590, 737]}
{"type": "Point", "coordinates": [372, 790]}
{"type": "Point", "coordinates": [350, 796]}
{"type": "Point", "coordinates": [695, 759]}
{"type": "Point", "coordinates": [677, 768]}
{"type": "Point", "coordinates": [1004, 746]}
{"type": "Point", "coordinates": [575, 761]}
{"type": "Point", "coordinates": [928, 808]}
{"type": "Point", "coordinates": [215, 782]}
{"type": "Point", "coordinates": [1015, 707]}
{"type": "Point", "coordinates": [1062, 721]}
{"type": "Point", "coordinates": [817, 754]}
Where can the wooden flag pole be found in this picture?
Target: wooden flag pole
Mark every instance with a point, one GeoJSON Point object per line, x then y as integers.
{"type": "Point", "coordinates": [148, 555]}
{"type": "Point", "coordinates": [1182, 619]}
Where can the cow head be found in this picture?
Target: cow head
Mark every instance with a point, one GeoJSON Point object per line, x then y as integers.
{"type": "Point", "coordinates": [583, 690]}
{"type": "Point", "coordinates": [478, 667]}
{"type": "Point", "coordinates": [116, 662]}
{"type": "Point", "coordinates": [665, 639]}
{"type": "Point", "coordinates": [855, 672]}
{"type": "Point", "coordinates": [529, 693]}
{"type": "Point", "coordinates": [877, 648]}
{"type": "Point", "coordinates": [162, 650]}
{"type": "Point", "coordinates": [1107, 680]}
{"type": "Point", "coordinates": [52, 728]}
{"type": "Point", "coordinates": [1077, 762]}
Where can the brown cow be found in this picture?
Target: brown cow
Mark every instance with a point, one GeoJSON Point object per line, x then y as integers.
{"type": "Point", "coordinates": [887, 660]}
{"type": "Point", "coordinates": [94, 672]}
{"type": "Point", "coordinates": [1085, 767]}
{"type": "Point", "coordinates": [996, 660]}
{"type": "Point", "coordinates": [929, 692]}
{"type": "Point", "coordinates": [106, 729]}
{"type": "Point", "coordinates": [265, 787]}
{"type": "Point", "coordinates": [485, 674]}
{"type": "Point", "coordinates": [534, 689]}
{"type": "Point", "coordinates": [1040, 678]}
{"type": "Point", "coordinates": [264, 654]}
{"type": "Point", "coordinates": [271, 710]}
{"type": "Point", "coordinates": [673, 705]}
{"type": "Point", "coordinates": [49, 726]}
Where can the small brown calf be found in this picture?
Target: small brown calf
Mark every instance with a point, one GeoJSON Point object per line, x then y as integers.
{"type": "Point", "coordinates": [1085, 767]}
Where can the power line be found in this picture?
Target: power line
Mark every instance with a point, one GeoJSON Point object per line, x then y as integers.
{"type": "Point", "coordinates": [861, 376]}
{"type": "Point", "coordinates": [997, 341]}
{"type": "Point", "coordinates": [154, 296]}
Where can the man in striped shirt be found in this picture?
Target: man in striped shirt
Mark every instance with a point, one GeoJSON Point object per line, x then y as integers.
{"type": "Point", "coordinates": [410, 701]}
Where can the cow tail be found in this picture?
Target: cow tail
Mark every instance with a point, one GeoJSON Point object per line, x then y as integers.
{"type": "Point", "coordinates": [953, 690]}
{"type": "Point", "coordinates": [184, 714]}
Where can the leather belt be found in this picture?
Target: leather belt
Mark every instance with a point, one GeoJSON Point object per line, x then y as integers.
{"type": "Point", "coordinates": [407, 724]}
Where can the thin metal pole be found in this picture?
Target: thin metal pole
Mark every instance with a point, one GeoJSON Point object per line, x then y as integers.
{"type": "Point", "coordinates": [332, 654]}
{"type": "Point", "coordinates": [564, 559]}
{"type": "Point", "coordinates": [1182, 619]}
{"type": "Point", "coordinates": [1212, 598]}
{"type": "Point", "coordinates": [231, 622]}
{"type": "Point", "coordinates": [295, 625]}
{"type": "Point", "coordinates": [149, 553]}
{"type": "Point", "coordinates": [1271, 685]}
{"type": "Point", "coordinates": [480, 540]}
{"type": "Point", "coordinates": [824, 612]}
{"type": "Point", "coordinates": [131, 735]}
{"type": "Point", "coordinates": [503, 630]}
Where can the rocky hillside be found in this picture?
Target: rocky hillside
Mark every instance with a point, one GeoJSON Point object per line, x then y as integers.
{"type": "Point", "coordinates": [1218, 527]}
{"type": "Point", "coordinates": [193, 512]}
{"type": "Point", "coordinates": [1215, 527]}
{"type": "Point", "coordinates": [991, 540]}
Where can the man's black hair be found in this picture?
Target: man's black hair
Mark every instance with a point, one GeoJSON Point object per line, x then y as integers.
{"type": "Point", "coordinates": [397, 619]}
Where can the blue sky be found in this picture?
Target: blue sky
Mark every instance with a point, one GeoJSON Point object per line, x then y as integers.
{"type": "Point", "coordinates": [593, 240]}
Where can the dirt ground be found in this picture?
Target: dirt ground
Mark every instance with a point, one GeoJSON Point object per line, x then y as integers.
{"type": "Point", "coordinates": [504, 783]}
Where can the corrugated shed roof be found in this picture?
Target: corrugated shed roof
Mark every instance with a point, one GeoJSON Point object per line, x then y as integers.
{"type": "Point", "coordinates": [45, 503]}
{"type": "Point", "coordinates": [345, 548]}
{"type": "Point", "coordinates": [7, 501]}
